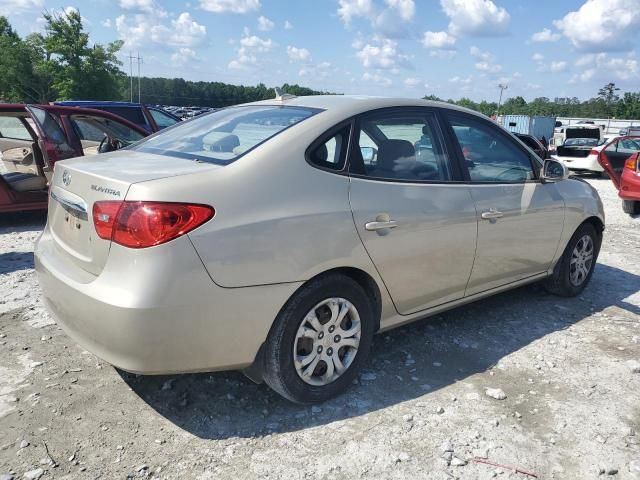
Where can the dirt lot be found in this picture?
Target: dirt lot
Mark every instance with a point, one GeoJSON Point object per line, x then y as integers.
{"type": "Point", "coordinates": [569, 369]}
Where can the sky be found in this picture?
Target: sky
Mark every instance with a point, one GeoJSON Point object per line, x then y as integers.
{"type": "Point", "coordinates": [409, 48]}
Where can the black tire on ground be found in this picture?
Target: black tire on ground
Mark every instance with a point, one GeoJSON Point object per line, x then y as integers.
{"type": "Point", "coordinates": [632, 207]}
{"type": "Point", "coordinates": [279, 369]}
{"type": "Point", "coordinates": [559, 283]}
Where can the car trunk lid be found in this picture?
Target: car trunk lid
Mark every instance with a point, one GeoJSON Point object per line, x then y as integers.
{"type": "Point", "coordinates": [78, 183]}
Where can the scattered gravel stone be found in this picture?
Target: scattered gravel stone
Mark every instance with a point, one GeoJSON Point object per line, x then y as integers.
{"type": "Point", "coordinates": [447, 446]}
{"type": "Point", "coordinates": [6, 476]}
{"type": "Point", "coordinates": [402, 457]}
{"type": "Point", "coordinates": [634, 366]}
{"type": "Point", "coordinates": [407, 418]}
{"type": "Point", "coordinates": [24, 444]}
{"type": "Point", "coordinates": [458, 462]}
{"type": "Point", "coordinates": [496, 393]}
{"type": "Point", "coordinates": [33, 474]}
{"type": "Point", "coordinates": [368, 377]}
{"type": "Point", "coordinates": [439, 410]}
{"type": "Point", "coordinates": [168, 385]}
{"type": "Point", "coordinates": [611, 470]}
{"type": "Point", "coordinates": [481, 452]}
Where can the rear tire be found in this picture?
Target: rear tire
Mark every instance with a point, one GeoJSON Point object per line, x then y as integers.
{"type": "Point", "coordinates": [632, 207]}
{"type": "Point", "coordinates": [573, 271]}
{"type": "Point", "coordinates": [307, 335]}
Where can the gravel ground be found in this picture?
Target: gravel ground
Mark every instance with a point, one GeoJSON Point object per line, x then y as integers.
{"type": "Point", "coordinates": [547, 385]}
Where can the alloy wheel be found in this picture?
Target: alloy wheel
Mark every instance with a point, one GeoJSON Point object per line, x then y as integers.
{"type": "Point", "coordinates": [581, 260]}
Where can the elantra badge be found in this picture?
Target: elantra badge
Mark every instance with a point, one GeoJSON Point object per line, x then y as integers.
{"type": "Point", "coordinates": [66, 178]}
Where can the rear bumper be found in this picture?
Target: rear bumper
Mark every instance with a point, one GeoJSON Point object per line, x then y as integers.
{"type": "Point", "coordinates": [158, 312]}
{"type": "Point", "coordinates": [629, 186]}
{"type": "Point", "coordinates": [589, 163]}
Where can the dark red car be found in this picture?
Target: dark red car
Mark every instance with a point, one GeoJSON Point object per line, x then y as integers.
{"type": "Point", "coordinates": [621, 160]}
{"type": "Point", "coordinates": [34, 137]}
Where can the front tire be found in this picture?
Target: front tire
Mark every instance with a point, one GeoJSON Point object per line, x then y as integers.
{"type": "Point", "coordinates": [320, 340]}
{"type": "Point", "coordinates": [632, 207]}
{"type": "Point", "coordinates": [574, 269]}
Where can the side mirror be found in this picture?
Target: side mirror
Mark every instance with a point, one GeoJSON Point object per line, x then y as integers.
{"type": "Point", "coordinates": [368, 154]}
{"type": "Point", "coordinates": [554, 171]}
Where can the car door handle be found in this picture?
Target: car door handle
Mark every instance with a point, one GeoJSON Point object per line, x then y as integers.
{"type": "Point", "coordinates": [372, 226]}
{"type": "Point", "coordinates": [491, 214]}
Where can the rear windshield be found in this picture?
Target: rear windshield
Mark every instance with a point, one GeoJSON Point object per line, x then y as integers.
{"type": "Point", "coordinates": [224, 135]}
{"type": "Point", "coordinates": [133, 114]}
{"type": "Point", "coordinates": [581, 142]}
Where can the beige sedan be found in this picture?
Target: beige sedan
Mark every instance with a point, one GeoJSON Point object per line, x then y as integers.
{"type": "Point", "coordinates": [278, 237]}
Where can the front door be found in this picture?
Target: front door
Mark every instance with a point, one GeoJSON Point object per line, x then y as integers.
{"type": "Point", "coordinates": [416, 219]}
{"type": "Point", "coordinates": [520, 219]}
{"type": "Point", "coordinates": [615, 154]}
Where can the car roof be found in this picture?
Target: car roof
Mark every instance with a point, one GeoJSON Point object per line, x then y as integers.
{"type": "Point", "coordinates": [352, 104]}
{"type": "Point", "coordinates": [103, 103]}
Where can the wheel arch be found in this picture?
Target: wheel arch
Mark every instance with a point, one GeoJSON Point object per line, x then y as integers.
{"type": "Point", "coordinates": [255, 371]}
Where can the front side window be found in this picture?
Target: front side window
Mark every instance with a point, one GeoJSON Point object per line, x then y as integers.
{"type": "Point", "coordinates": [401, 146]}
{"type": "Point", "coordinates": [489, 155]}
{"type": "Point", "coordinates": [94, 129]}
{"type": "Point", "coordinates": [224, 135]}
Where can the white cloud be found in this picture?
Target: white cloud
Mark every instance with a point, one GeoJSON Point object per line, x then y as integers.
{"type": "Point", "coordinates": [439, 40]}
{"type": "Point", "coordinates": [183, 56]}
{"type": "Point", "coordinates": [412, 82]}
{"type": "Point", "coordinates": [461, 80]}
{"type": "Point", "coordinates": [404, 8]}
{"type": "Point", "coordinates": [265, 24]}
{"type": "Point", "coordinates": [486, 61]}
{"type": "Point", "coordinates": [475, 17]}
{"type": "Point", "coordinates": [537, 57]}
{"type": "Point", "coordinates": [288, 25]}
{"type": "Point", "coordinates": [533, 86]}
{"type": "Point", "coordinates": [140, 29]}
{"type": "Point", "coordinates": [608, 67]}
{"type": "Point", "coordinates": [378, 79]}
{"type": "Point", "coordinates": [559, 66]}
{"type": "Point", "coordinates": [298, 54]}
{"type": "Point", "coordinates": [106, 23]}
{"type": "Point", "coordinates": [230, 6]}
{"type": "Point", "coordinates": [545, 35]}
{"type": "Point", "coordinates": [444, 54]}
{"type": "Point", "coordinates": [384, 54]}
{"type": "Point", "coordinates": [250, 46]}
{"type": "Point", "coordinates": [20, 6]}
{"type": "Point", "coordinates": [348, 9]}
{"type": "Point", "coordinates": [319, 71]}
{"type": "Point", "coordinates": [140, 5]}
{"type": "Point", "coordinates": [602, 25]}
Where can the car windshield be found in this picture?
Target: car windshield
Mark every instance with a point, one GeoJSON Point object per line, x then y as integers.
{"type": "Point", "coordinates": [224, 135]}
{"type": "Point", "coordinates": [581, 142]}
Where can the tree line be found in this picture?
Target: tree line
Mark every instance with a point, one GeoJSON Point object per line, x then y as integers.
{"type": "Point", "coordinates": [61, 64]}
{"type": "Point", "coordinates": [607, 104]}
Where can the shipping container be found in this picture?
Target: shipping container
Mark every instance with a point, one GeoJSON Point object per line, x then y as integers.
{"type": "Point", "coordinates": [538, 126]}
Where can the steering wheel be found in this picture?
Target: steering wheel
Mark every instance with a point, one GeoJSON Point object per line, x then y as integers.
{"type": "Point", "coordinates": [508, 174]}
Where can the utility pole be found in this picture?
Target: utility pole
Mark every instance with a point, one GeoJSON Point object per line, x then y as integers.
{"type": "Point", "coordinates": [138, 59]}
{"type": "Point", "coordinates": [502, 87]}
{"type": "Point", "coordinates": [139, 63]}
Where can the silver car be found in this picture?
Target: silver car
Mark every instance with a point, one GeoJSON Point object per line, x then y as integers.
{"type": "Point", "coordinates": [278, 237]}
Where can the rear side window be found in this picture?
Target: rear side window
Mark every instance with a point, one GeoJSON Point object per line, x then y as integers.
{"type": "Point", "coordinates": [133, 114]}
{"type": "Point", "coordinates": [224, 135]}
{"type": "Point", "coordinates": [96, 128]}
{"type": "Point", "coordinates": [162, 119]}
{"type": "Point", "coordinates": [401, 145]}
{"type": "Point", "coordinates": [332, 152]}
{"type": "Point", "coordinates": [12, 127]}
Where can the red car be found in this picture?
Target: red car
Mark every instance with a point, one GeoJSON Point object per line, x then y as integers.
{"type": "Point", "coordinates": [620, 159]}
{"type": "Point", "coordinates": [34, 137]}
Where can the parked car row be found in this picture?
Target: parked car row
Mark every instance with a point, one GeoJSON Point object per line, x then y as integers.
{"type": "Point", "coordinates": [187, 112]}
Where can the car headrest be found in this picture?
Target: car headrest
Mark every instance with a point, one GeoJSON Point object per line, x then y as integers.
{"type": "Point", "coordinates": [426, 130]}
{"type": "Point", "coordinates": [225, 144]}
{"type": "Point", "coordinates": [391, 151]}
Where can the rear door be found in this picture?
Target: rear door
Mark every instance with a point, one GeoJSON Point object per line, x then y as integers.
{"type": "Point", "coordinates": [16, 144]}
{"type": "Point", "coordinates": [520, 219]}
{"type": "Point", "coordinates": [54, 143]}
{"type": "Point", "coordinates": [415, 217]}
{"type": "Point", "coordinates": [613, 156]}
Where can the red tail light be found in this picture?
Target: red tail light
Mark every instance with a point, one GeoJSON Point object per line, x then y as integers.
{"type": "Point", "coordinates": [145, 224]}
